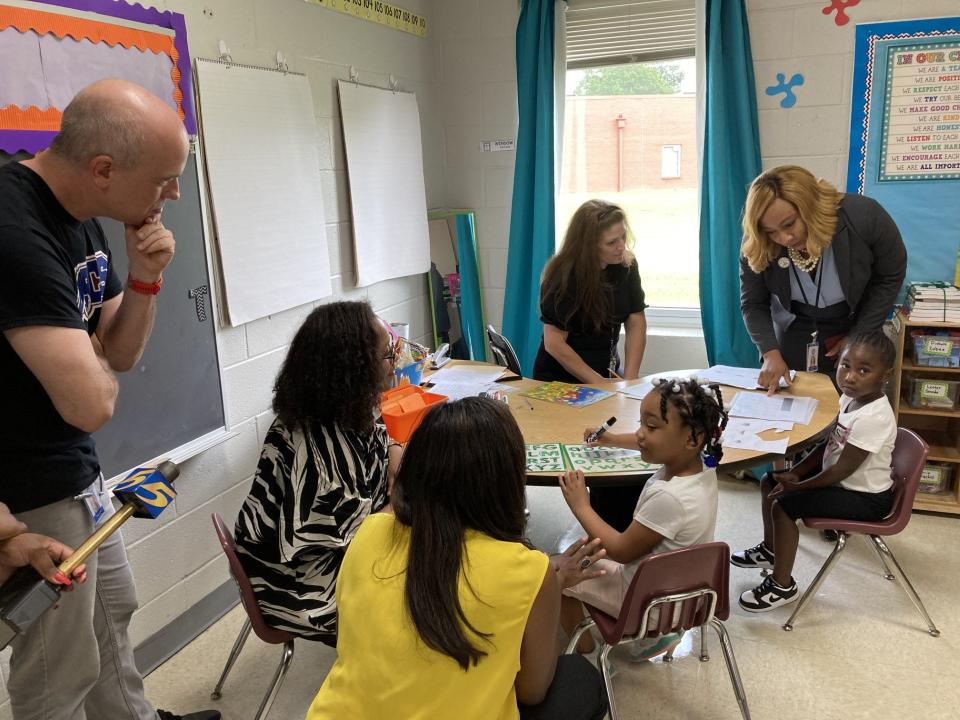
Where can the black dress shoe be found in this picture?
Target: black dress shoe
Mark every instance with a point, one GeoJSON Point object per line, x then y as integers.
{"type": "Point", "coordinates": [201, 715]}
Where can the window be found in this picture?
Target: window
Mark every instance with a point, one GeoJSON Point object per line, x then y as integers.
{"type": "Point", "coordinates": [630, 138]}
{"type": "Point", "coordinates": [670, 161]}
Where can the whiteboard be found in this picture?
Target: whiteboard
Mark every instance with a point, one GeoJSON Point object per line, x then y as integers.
{"type": "Point", "coordinates": [381, 132]}
{"type": "Point", "coordinates": [260, 147]}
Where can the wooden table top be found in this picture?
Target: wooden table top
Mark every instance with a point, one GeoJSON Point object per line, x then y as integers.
{"type": "Point", "coordinates": [550, 422]}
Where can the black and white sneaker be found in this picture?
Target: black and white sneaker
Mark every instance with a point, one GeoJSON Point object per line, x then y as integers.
{"type": "Point", "coordinates": [756, 557]}
{"type": "Point", "coordinates": [768, 595]}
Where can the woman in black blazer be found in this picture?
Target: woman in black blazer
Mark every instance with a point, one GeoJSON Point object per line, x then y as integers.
{"type": "Point", "coordinates": [816, 265]}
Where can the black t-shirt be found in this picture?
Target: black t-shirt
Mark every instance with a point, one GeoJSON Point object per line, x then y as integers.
{"type": "Point", "coordinates": [596, 349]}
{"type": "Point", "coordinates": [56, 271]}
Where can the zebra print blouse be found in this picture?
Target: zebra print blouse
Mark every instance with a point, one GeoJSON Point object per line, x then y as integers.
{"type": "Point", "coordinates": [309, 496]}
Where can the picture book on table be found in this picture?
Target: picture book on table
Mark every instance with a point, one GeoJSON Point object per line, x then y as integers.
{"type": "Point", "coordinates": [567, 394]}
{"type": "Point", "coordinates": [558, 457]}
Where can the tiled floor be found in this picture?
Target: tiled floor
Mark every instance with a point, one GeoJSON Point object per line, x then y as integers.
{"type": "Point", "coordinates": [859, 651]}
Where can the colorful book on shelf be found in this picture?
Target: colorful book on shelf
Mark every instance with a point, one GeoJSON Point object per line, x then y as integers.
{"type": "Point", "coordinates": [567, 394]}
{"type": "Point", "coordinates": [558, 457]}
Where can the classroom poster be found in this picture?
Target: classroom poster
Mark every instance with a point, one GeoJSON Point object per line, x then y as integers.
{"type": "Point", "coordinates": [905, 136]}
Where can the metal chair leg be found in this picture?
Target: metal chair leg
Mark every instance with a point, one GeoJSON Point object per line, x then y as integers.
{"type": "Point", "coordinates": [232, 658]}
{"type": "Point", "coordinates": [604, 666]}
{"type": "Point", "coordinates": [704, 655]}
{"type": "Point", "coordinates": [277, 681]}
{"type": "Point", "coordinates": [731, 661]}
{"type": "Point", "coordinates": [579, 630]}
{"type": "Point", "coordinates": [884, 551]}
{"type": "Point", "coordinates": [886, 568]}
{"type": "Point", "coordinates": [818, 581]}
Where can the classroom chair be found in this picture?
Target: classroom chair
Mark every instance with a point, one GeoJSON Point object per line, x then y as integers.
{"type": "Point", "coordinates": [909, 456]}
{"type": "Point", "coordinates": [254, 621]}
{"type": "Point", "coordinates": [503, 351]}
{"type": "Point", "coordinates": [690, 587]}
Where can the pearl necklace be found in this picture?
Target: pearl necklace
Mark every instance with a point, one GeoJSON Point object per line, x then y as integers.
{"type": "Point", "coordinates": [804, 263]}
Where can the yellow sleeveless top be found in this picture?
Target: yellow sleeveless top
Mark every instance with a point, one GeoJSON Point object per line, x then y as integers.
{"type": "Point", "coordinates": [383, 668]}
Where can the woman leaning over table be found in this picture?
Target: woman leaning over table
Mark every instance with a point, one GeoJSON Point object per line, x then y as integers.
{"type": "Point", "coordinates": [589, 289]}
{"type": "Point", "coordinates": [816, 265]}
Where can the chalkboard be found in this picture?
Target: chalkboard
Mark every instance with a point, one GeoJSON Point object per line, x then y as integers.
{"type": "Point", "coordinates": [172, 396]}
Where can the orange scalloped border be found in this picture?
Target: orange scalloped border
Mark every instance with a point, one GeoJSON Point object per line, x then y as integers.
{"type": "Point", "coordinates": [13, 117]}
{"type": "Point", "coordinates": [24, 20]}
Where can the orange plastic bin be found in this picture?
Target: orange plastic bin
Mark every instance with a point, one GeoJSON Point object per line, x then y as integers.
{"type": "Point", "coordinates": [404, 407]}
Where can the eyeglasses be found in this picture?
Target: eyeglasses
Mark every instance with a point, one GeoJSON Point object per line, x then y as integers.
{"type": "Point", "coordinates": [392, 352]}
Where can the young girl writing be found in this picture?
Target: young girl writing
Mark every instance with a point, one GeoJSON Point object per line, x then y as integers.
{"type": "Point", "coordinates": [680, 427]}
{"type": "Point", "coordinates": [848, 477]}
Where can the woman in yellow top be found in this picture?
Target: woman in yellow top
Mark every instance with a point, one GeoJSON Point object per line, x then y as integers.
{"type": "Point", "coordinates": [445, 611]}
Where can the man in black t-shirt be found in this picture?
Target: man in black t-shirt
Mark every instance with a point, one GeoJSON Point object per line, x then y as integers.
{"type": "Point", "coordinates": [66, 326]}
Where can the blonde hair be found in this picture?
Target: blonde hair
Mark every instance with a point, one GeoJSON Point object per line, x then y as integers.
{"type": "Point", "coordinates": [816, 202]}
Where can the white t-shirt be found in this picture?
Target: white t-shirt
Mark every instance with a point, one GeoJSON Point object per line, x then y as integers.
{"type": "Point", "coordinates": [873, 428]}
{"type": "Point", "coordinates": [683, 509]}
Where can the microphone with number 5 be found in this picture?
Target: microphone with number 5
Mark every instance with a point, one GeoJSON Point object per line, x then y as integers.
{"type": "Point", "coordinates": [26, 595]}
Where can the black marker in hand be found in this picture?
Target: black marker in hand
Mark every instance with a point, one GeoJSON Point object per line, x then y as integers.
{"type": "Point", "coordinates": [594, 436]}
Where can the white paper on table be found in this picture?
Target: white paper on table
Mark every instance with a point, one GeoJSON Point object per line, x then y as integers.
{"type": "Point", "coordinates": [744, 433]}
{"type": "Point", "coordinates": [464, 381]}
{"type": "Point", "coordinates": [637, 392]}
{"type": "Point", "coordinates": [792, 408]}
{"type": "Point", "coordinates": [745, 378]}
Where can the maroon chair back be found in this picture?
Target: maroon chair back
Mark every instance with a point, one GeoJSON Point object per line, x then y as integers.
{"type": "Point", "coordinates": [700, 567]}
{"type": "Point", "coordinates": [908, 458]}
{"type": "Point", "coordinates": [247, 598]}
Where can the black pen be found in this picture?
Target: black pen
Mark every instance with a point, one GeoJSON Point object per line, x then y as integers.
{"type": "Point", "coordinates": [594, 436]}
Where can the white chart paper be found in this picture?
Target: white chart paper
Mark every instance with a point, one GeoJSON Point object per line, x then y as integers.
{"type": "Point", "coordinates": [381, 132]}
{"type": "Point", "coordinates": [260, 141]}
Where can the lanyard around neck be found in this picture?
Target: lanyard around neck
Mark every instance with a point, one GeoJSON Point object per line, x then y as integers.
{"type": "Point", "coordinates": [819, 272]}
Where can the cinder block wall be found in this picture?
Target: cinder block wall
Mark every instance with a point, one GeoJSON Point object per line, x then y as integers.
{"type": "Point", "coordinates": [177, 561]}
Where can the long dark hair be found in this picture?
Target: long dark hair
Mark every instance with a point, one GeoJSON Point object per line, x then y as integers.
{"type": "Point", "coordinates": [333, 370]}
{"type": "Point", "coordinates": [575, 270]}
{"type": "Point", "coordinates": [464, 469]}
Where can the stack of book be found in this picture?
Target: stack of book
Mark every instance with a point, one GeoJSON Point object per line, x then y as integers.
{"type": "Point", "coordinates": [932, 302]}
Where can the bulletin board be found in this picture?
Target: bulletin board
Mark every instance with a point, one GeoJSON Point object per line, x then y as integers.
{"type": "Point", "coordinates": [905, 136]}
{"type": "Point", "coordinates": [50, 50]}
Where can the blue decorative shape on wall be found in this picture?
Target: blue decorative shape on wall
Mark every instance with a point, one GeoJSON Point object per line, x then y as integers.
{"type": "Point", "coordinates": [789, 98]}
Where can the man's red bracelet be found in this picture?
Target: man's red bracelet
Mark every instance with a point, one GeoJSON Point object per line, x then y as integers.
{"type": "Point", "coordinates": [144, 288]}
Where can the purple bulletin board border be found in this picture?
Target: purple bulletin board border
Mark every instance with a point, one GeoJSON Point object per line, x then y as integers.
{"type": "Point", "coordinates": [33, 141]}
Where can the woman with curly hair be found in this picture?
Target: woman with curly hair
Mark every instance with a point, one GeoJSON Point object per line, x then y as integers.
{"type": "Point", "coordinates": [323, 469]}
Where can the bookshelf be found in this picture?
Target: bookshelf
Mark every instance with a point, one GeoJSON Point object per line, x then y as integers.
{"type": "Point", "coordinates": [939, 428]}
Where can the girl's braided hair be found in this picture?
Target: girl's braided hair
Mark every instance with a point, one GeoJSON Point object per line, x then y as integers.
{"type": "Point", "coordinates": [700, 408]}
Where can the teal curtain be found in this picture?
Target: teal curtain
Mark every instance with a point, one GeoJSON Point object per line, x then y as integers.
{"type": "Point", "coordinates": [533, 216]}
{"type": "Point", "coordinates": [471, 310]}
{"type": "Point", "coordinates": [731, 160]}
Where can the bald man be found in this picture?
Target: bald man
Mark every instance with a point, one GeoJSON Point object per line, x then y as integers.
{"type": "Point", "coordinates": [67, 325]}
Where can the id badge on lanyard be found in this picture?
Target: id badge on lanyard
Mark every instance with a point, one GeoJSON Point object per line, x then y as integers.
{"type": "Point", "coordinates": [813, 347]}
{"type": "Point", "coordinates": [813, 353]}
